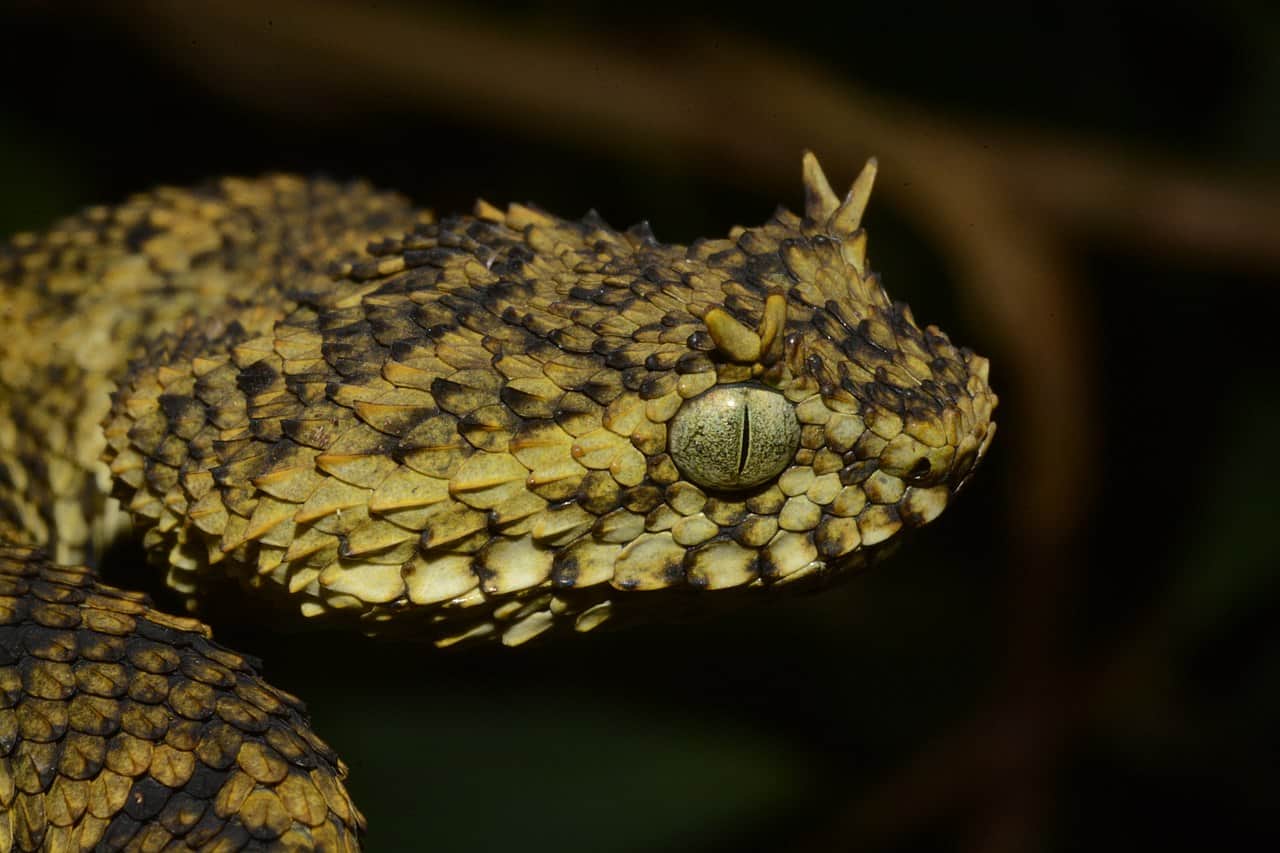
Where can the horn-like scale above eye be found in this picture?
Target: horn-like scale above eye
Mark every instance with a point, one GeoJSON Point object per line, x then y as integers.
{"type": "Point", "coordinates": [734, 437]}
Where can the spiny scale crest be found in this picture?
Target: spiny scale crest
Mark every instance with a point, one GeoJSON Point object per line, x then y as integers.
{"type": "Point", "coordinates": [467, 428]}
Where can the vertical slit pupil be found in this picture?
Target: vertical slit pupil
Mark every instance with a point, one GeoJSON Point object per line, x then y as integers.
{"type": "Point", "coordinates": [746, 438]}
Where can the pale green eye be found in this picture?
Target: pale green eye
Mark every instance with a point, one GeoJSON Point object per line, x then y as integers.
{"type": "Point", "coordinates": [734, 436]}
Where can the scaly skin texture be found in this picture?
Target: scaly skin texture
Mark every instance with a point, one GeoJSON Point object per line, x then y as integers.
{"type": "Point", "coordinates": [461, 430]}
{"type": "Point", "coordinates": [124, 728]}
{"type": "Point", "coordinates": [120, 725]}
{"type": "Point", "coordinates": [81, 299]}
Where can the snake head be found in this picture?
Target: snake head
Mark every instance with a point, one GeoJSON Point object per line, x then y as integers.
{"type": "Point", "coordinates": [499, 423]}
{"type": "Point", "coordinates": [847, 421]}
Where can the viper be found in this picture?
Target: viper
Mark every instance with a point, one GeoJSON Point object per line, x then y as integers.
{"type": "Point", "coordinates": [497, 426]}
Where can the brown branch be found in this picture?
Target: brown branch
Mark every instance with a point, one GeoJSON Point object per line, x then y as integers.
{"type": "Point", "coordinates": [728, 101]}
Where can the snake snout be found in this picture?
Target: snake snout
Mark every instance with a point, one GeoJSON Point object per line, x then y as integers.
{"type": "Point", "coordinates": [942, 440]}
{"type": "Point", "coordinates": [976, 408]}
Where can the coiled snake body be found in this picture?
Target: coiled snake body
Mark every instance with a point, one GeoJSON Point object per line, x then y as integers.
{"type": "Point", "coordinates": [500, 425]}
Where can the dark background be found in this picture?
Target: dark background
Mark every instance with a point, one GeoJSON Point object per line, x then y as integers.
{"type": "Point", "coordinates": [1082, 654]}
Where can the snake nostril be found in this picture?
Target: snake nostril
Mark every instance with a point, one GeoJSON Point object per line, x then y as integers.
{"type": "Point", "coordinates": [920, 469]}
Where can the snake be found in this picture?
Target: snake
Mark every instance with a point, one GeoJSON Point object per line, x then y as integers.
{"type": "Point", "coordinates": [494, 426]}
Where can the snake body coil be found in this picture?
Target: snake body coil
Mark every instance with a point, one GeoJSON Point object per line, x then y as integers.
{"type": "Point", "coordinates": [492, 426]}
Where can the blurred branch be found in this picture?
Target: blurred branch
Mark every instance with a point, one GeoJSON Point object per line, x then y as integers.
{"type": "Point", "coordinates": [1004, 204]}
{"type": "Point", "coordinates": [1149, 201]}
{"type": "Point", "coordinates": [727, 100]}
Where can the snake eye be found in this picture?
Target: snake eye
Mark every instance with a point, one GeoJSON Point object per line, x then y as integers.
{"type": "Point", "coordinates": [734, 436]}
